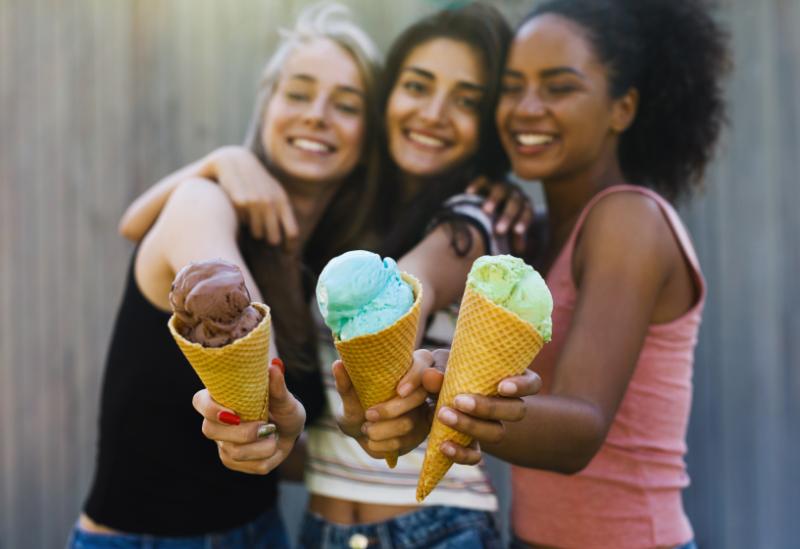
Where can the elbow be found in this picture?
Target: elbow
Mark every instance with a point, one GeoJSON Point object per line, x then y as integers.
{"type": "Point", "coordinates": [126, 229]}
{"type": "Point", "coordinates": [585, 446]}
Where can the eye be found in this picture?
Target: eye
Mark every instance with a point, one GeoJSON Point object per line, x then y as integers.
{"type": "Point", "coordinates": [414, 86]}
{"type": "Point", "coordinates": [468, 103]}
{"type": "Point", "coordinates": [347, 108]}
{"type": "Point", "coordinates": [560, 89]}
{"type": "Point", "coordinates": [297, 96]}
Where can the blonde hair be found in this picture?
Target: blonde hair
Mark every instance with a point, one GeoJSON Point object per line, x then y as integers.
{"type": "Point", "coordinates": [330, 20]}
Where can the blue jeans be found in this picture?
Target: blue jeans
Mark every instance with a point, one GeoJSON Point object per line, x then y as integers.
{"type": "Point", "coordinates": [266, 531]}
{"type": "Point", "coordinates": [517, 543]}
{"type": "Point", "coordinates": [428, 528]}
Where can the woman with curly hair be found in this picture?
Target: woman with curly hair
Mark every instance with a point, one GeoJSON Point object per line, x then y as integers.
{"type": "Point", "coordinates": [615, 105]}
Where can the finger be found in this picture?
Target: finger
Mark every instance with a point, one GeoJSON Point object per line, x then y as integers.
{"type": "Point", "coordinates": [497, 193]}
{"type": "Point", "coordinates": [364, 443]}
{"type": "Point", "coordinates": [513, 206]}
{"type": "Point", "coordinates": [395, 407]}
{"type": "Point", "coordinates": [259, 467]}
{"type": "Point", "coordinates": [490, 408]}
{"type": "Point", "coordinates": [440, 357]}
{"type": "Point", "coordinates": [383, 446]}
{"type": "Point", "coordinates": [253, 223]}
{"type": "Point", "coordinates": [340, 377]}
{"type": "Point", "coordinates": [268, 215]}
{"type": "Point", "coordinates": [432, 380]}
{"type": "Point", "coordinates": [519, 238]}
{"type": "Point", "coordinates": [485, 431]}
{"type": "Point", "coordinates": [279, 396]}
{"type": "Point", "coordinates": [291, 230]}
{"type": "Point", "coordinates": [245, 433]}
{"type": "Point", "coordinates": [477, 185]}
{"type": "Point", "coordinates": [390, 428]}
{"type": "Point", "coordinates": [527, 384]}
{"type": "Point", "coordinates": [253, 451]}
{"type": "Point", "coordinates": [461, 454]}
{"type": "Point", "coordinates": [422, 359]}
{"type": "Point", "coordinates": [353, 413]}
{"type": "Point", "coordinates": [211, 410]}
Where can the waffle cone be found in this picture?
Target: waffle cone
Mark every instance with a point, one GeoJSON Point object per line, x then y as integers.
{"type": "Point", "coordinates": [490, 343]}
{"type": "Point", "coordinates": [237, 374]}
{"type": "Point", "coordinates": [376, 362]}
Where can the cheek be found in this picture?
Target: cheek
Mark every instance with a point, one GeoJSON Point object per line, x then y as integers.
{"type": "Point", "coordinates": [469, 129]}
{"type": "Point", "coordinates": [352, 134]}
{"type": "Point", "coordinates": [504, 108]}
{"type": "Point", "coordinates": [396, 109]}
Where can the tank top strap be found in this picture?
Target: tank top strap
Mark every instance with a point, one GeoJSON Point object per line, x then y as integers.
{"type": "Point", "coordinates": [674, 221]}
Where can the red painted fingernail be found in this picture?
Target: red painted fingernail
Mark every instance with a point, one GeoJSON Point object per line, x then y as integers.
{"type": "Point", "coordinates": [279, 363]}
{"type": "Point", "coordinates": [229, 418]}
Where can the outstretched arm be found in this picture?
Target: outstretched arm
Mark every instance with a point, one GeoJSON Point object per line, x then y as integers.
{"type": "Point", "coordinates": [623, 259]}
{"type": "Point", "coordinates": [198, 223]}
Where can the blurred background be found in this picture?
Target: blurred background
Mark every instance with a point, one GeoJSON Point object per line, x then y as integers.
{"type": "Point", "coordinates": [100, 98]}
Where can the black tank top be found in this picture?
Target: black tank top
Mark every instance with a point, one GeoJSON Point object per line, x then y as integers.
{"type": "Point", "coordinates": [156, 473]}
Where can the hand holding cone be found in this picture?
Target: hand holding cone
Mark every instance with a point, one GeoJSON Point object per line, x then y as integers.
{"type": "Point", "coordinates": [490, 343]}
{"type": "Point", "coordinates": [376, 362]}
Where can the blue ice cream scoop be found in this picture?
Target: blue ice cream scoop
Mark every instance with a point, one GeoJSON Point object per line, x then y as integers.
{"type": "Point", "coordinates": [359, 293]}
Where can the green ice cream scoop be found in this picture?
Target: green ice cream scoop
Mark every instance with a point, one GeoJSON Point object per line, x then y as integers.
{"type": "Point", "coordinates": [511, 283]}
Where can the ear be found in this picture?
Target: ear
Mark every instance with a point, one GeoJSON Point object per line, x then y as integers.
{"type": "Point", "coordinates": [624, 110]}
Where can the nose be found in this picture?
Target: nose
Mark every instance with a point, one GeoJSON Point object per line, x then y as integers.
{"type": "Point", "coordinates": [531, 104]}
{"type": "Point", "coordinates": [433, 111]}
{"type": "Point", "coordinates": [315, 114]}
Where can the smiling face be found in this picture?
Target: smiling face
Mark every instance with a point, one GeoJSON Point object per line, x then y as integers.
{"type": "Point", "coordinates": [314, 123]}
{"type": "Point", "coordinates": [555, 116]}
{"type": "Point", "coordinates": [433, 112]}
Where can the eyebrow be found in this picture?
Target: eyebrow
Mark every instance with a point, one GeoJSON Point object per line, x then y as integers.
{"type": "Point", "coordinates": [309, 78]}
{"type": "Point", "coordinates": [430, 76]}
{"type": "Point", "coordinates": [547, 73]}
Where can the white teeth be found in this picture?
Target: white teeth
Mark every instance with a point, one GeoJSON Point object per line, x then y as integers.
{"type": "Point", "coordinates": [309, 145]}
{"type": "Point", "coordinates": [529, 139]}
{"type": "Point", "coordinates": [426, 140]}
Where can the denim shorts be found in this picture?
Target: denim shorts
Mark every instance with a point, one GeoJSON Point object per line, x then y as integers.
{"type": "Point", "coordinates": [429, 528]}
{"type": "Point", "coordinates": [266, 531]}
{"type": "Point", "coordinates": [517, 543]}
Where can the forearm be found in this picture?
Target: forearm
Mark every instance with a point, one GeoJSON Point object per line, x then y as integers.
{"type": "Point", "coordinates": [142, 213]}
{"type": "Point", "coordinates": [558, 433]}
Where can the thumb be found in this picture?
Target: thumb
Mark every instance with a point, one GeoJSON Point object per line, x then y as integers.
{"type": "Point", "coordinates": [432, 380]}
{"type": "Point", "coordinates": [279, 396]}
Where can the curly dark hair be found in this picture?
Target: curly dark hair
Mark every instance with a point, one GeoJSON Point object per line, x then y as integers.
{"type": "Point", "coordinates": [675, 55]}
{"type": "Point", "coordinates": [484, 28]}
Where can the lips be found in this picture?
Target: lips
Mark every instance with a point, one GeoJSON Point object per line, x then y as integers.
{"type": "Point", "coordinates": [426, 139]}
{"type": "Point", "coordinates": [311, 145]}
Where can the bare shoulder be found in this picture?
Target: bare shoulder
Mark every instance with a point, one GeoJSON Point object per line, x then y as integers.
{"type": "Point", "coordinates": [625, 230]}
{"type": "Point", "coordinates": [194, 200]}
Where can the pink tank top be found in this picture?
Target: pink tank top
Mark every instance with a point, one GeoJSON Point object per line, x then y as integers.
{"type": "Point", "coordinates": [630, 493]}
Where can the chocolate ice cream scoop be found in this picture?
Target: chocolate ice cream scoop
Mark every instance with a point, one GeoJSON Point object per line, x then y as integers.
{"type": "Point", "coordinates": [212, 304]}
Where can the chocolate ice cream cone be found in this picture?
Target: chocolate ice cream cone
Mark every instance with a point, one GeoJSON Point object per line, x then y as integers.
{"type": "Point", "coordinates": [237, 374]}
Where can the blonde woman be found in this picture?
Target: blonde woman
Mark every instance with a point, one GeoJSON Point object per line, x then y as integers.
{"type": "Point", "coordinates": [158, 480]}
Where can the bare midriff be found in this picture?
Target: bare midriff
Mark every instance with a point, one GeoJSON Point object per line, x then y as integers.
{"type": "Point", "coordinates": [341, 511]}
{"type": "Point", "coordinates": [88, 525]}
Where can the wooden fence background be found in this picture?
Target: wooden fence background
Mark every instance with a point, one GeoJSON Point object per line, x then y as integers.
{"type": "Point", "coordinates": [99, 98]}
